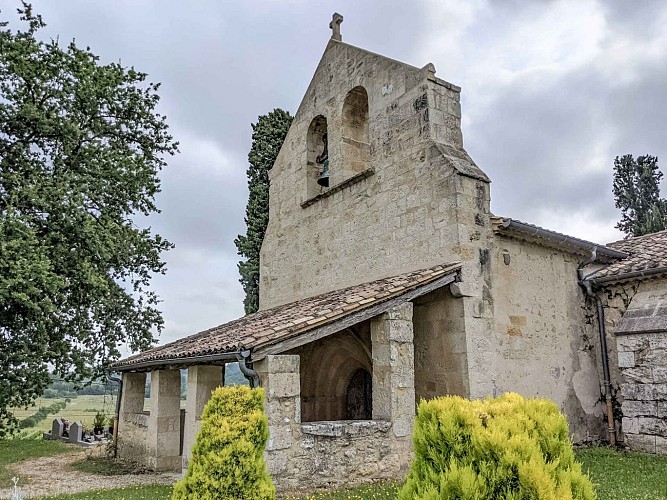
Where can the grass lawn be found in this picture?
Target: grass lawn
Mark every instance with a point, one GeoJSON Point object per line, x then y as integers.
{"type": "Point", "coordinates": [626, 476]}
{"type": "Point", "coordinates": [621, 476]}
{"type": "Point", "coordinates": [12, 451]}
{"type": "Point", "coordinates": [130, 493]}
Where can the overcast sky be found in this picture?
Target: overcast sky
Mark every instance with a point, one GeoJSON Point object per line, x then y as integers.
{"type": "Point", "coordinates": [552, 92]}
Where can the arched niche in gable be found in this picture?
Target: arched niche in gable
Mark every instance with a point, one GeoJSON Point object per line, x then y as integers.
{"type": "Point", "coordinates": [355, 150]}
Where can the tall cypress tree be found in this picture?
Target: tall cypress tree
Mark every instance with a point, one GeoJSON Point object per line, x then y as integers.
{"type": "Point", "coordinates": [268, 135]}
{"type": "Point", "coordinates": [637, 193]}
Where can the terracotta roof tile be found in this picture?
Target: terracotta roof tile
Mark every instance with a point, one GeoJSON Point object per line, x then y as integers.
{"type": "Point", "coordinates": [273, 325]}
{"type": "Point", "coordinates": [646, 252]}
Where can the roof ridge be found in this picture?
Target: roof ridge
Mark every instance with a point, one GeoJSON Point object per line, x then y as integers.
{"type": "Point", "coordinates": [634, 238]}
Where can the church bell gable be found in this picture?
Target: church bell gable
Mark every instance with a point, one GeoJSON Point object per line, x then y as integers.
{"type": "Point", "coordinates": [363, 166]}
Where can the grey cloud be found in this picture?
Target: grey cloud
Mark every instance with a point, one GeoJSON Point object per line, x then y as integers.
{"type": "Point", "coordinates": [224, 63]}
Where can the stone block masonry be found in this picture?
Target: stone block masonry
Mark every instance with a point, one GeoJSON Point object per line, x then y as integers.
{"type": "Point", "coordinates": [642, 360]}
{"type": "Point", "coordinates": [393, 369]}
{"type": "Point", "coordinates": [163, 439]}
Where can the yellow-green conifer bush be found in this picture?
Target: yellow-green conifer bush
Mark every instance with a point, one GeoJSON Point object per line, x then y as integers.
{"type": "Point", "coordinates": [498, 448]}
{"type": "Point", "coordinates": [227, 460]}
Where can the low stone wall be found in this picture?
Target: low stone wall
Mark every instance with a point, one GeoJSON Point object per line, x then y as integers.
{"type": "Point", "coordinates": [642, 360]}
{"type": "Point", "coordinates": [339, 454]}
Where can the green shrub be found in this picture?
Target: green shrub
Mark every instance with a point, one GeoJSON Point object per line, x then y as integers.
{"type": "Point", "coordinates": [227, 460]}
{"type": "Point", "coordinates": [503, 448]}
{"type": "Point", "coordinates": [28, 422]}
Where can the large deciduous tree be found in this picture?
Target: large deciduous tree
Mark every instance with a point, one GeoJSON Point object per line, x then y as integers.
{"type": "Point", "coordinates": [637, 193]}
{"type": "Point", "coordinates": [268, 135]}
{"type": "Point", "coordinates": [81, 145]}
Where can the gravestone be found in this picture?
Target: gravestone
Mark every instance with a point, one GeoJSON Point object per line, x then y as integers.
{"type": "Point", "coordinates": [57, 429]}
{"type": "Point", "coordinates": [75, 432]}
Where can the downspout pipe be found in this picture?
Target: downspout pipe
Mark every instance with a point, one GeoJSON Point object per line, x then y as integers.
{"type": "Point", "coordinates": [587, 286]}
{"type": "Point", "coordinates": [242, 357]}
{"type": "Point", "coordinates": [119, 381]}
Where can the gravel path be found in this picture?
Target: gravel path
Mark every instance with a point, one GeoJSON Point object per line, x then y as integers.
{"type": "Point", "coordinates": [54, 476]}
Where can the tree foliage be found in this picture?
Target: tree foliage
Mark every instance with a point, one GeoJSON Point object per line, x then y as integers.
{"type": "Point", "coordinates": [268, 135]}
{"type": "Point", "coordinates": [228, 458]}
{"type": "Point", "coordinates": [507, 447]}
{"type": "Point", "coordinates": [637, 193]}
{"type": "Point", "coordinates": [81, 146]}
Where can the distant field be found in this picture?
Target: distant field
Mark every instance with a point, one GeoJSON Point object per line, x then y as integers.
{"type": "Point", "coordinates": [83, 408]}
{"type": "Point", "coordinates": [79, 409]}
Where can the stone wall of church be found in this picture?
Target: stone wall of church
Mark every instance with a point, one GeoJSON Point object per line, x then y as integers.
{"type": "Point", "coordinates": [544, 334]}
{"type": "Point", "coordinates": [421, 201]}
{"type": "Point", "coordinates": [638, 365]}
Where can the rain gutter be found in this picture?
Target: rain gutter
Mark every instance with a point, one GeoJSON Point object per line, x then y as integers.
{"type": "Point", "coordinates": [206, 358]}
{"type": "Point", "coordinates": [627, 276]}
{"type": "Point", "coordinates": [587, 285]}
{"type": "Point", "coordinates": [119, 381]}
{"type": "Point", "coordinates": [243, 357]}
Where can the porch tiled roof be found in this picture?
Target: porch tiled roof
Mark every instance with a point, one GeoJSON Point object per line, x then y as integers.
{"type": "Point", "coordinates": [646, 253]}
{"type": "Point", "coordinates": [289, 320]}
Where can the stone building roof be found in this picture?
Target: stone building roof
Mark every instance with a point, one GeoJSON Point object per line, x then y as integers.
{"type": "Point", "coordinates": [536, 234]}
{"type": "Point", "coordinates": [284, 327]}
{"type": "Point", "coordinates": [626, 259]}
{"type": "Point", "coordinates": [647, 255]}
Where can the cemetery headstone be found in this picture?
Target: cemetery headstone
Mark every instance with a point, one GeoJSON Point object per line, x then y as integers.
{"type": "Point", "coordinates": [57, 428]}
{"type": "Point", "coordinates": [75, 432]}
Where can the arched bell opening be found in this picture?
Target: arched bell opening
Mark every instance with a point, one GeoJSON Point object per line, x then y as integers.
{"type": "Point", "coordinates": [317, 157]}
{"type": "Point", "coordinates": [355, 139]}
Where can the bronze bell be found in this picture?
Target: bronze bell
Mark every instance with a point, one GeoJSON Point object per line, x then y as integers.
{"type": "Point", "coordinates": [324, 176]}
{"type": "Point", "coordinates": [323, 160]}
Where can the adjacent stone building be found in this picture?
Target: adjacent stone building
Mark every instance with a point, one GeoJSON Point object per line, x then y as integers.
{"type": "Point", "coordinates": [385, 279]}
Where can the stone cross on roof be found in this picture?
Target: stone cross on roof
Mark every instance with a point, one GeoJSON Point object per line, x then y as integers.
{"type": "Point", "coordinates": [335, 26]}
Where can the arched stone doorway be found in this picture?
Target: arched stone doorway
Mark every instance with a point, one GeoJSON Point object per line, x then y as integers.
{"type": "Point", "coordinates": [360, 396]}
{"type": "Point", "coordinates": [336, 381]}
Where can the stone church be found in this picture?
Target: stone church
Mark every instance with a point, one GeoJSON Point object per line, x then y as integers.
{"type": "Point", "coordinates": [386, 279]}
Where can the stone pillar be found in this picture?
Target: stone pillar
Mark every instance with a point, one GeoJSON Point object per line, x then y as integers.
{"type": "Point", "coordinates": [131, 428]}
{"type": "Point", "coordinates": [164, 422]}
{"type": "Point", "coordinates": [393, 369]}
{"type": "Point", "coordinates": [280, 378]}
{"type": "Point", "coordinates": [201, 381]}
